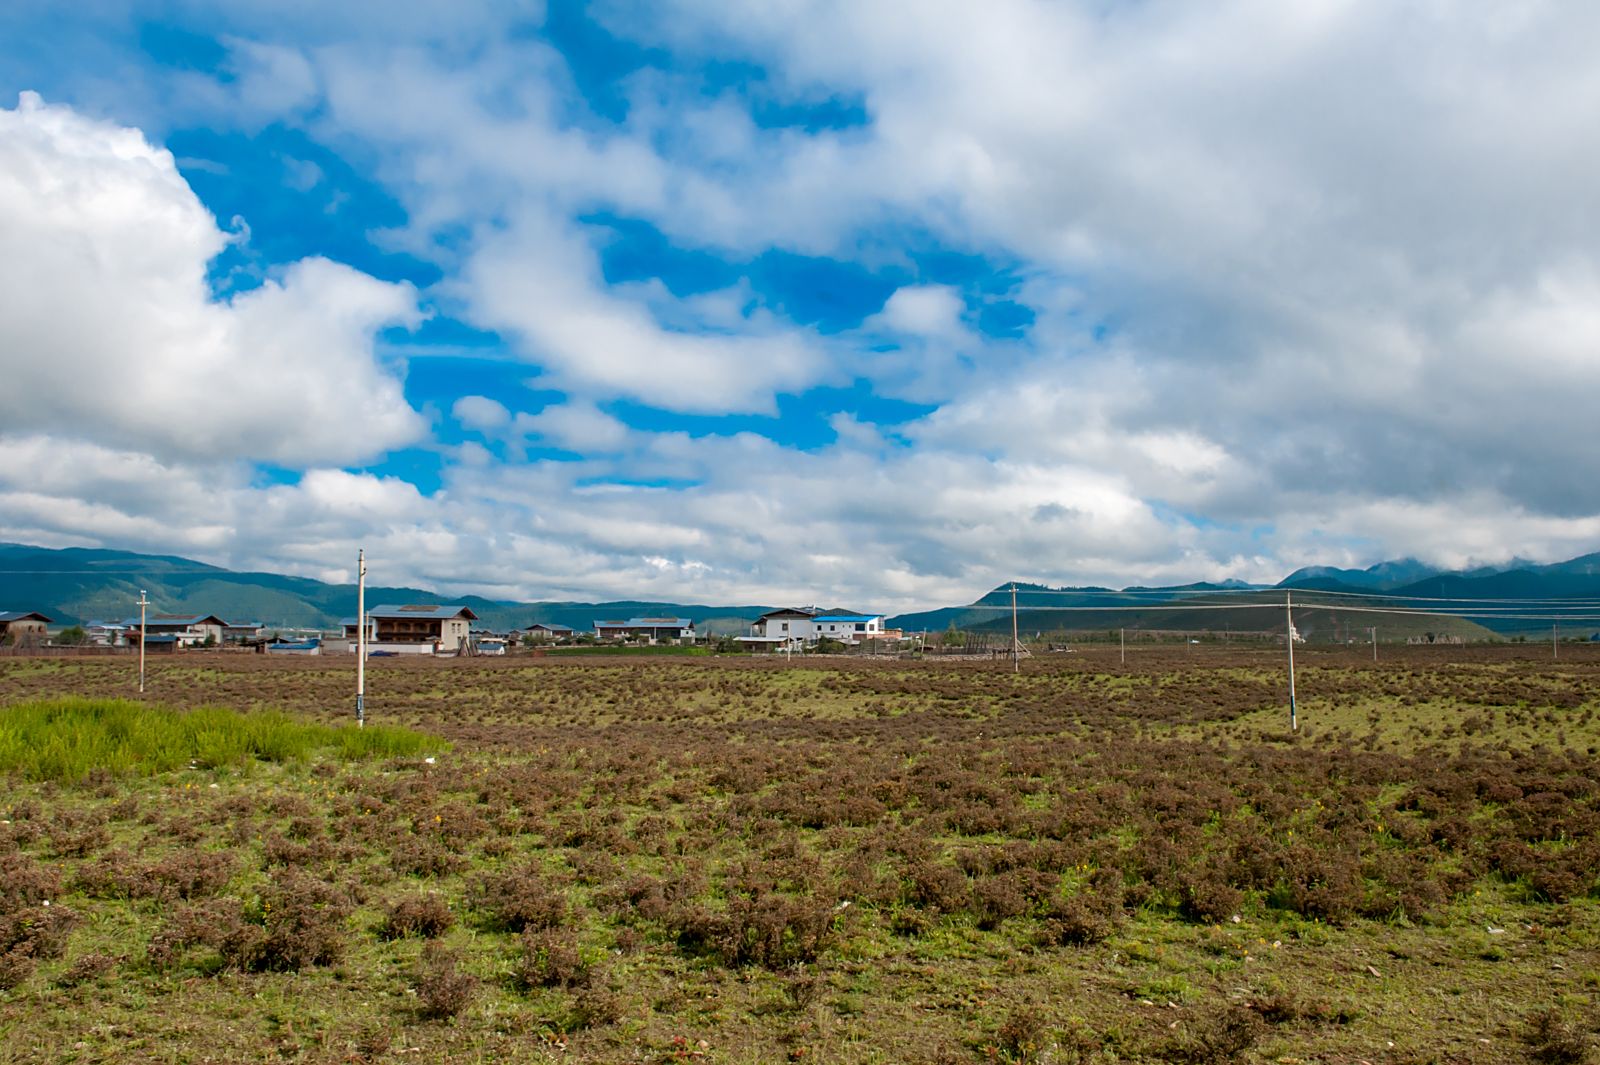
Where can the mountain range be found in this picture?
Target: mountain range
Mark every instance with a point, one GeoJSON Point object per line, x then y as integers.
{"type": "Point", "coordinates": [75, 585]}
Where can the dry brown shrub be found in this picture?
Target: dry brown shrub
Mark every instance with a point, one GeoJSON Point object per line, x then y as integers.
{"type": "Point", "coordinates": [1079, 921]}
{"type": "Point", "coordinates": [550, 958]}
{"type": "Point", "coordinates": [86, 969]}
{"type": "Point", "coordinates": [595, 1006]}
{"type": "Point", "coordinates": [192, 874]}
{"type": "Point", "coordinates": [520, 898]}
{"type": "Point", "coordinates": [1217, 1037]}
{"type": "Point", "coordinates": [426, 915]}
{"type": "Point", "coordinates": [423, 856]}
{"type": "Point", "coordinates": [206, 924]}
{"type": "Point", "coordinates": [773, 931]}
{"type": "Point", "coordinates": [443, 990]}
{"type": "Point", "coordinates": [1554, 1039]}
{"type": "Point", "coordinates": [300, 923]}
{"type": "Point", "coordinates": [32, 926]}
{"type": "Point", "coordinates": [936, 887]}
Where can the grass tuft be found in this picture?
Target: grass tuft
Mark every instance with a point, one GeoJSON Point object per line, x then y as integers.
{"type": "Point", "coordinates": [65, 740]}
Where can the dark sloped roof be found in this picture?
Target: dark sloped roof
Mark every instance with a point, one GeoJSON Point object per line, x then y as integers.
{"type": "Point", "coordinates": [22, 615]}
{"type": "Point", "coordinates": [432, 611]}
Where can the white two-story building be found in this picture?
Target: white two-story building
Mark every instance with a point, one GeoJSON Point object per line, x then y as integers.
{"type": "Point", "coordinates": [795, 628]}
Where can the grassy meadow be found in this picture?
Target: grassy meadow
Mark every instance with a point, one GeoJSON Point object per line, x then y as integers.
{"type": "Point", "coordinates": [595, 859]}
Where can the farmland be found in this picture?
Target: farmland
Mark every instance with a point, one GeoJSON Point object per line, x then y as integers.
{"type": "Point", "coordinates": [731, 860]}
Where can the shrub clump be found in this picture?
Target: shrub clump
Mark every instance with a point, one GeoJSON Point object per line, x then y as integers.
{"type": "Point", "coordinates": [32, 929]}
{"type": "Point", "coordinates": [427, 916]}
{"type": "Point", "coordinates": [773, 931]}
{"type": "Point", "coordinates": [1553, 1040]}
{"type": "Point", "coordinates": [1216, 1038]}
{"type": "Point", "coordinates": [520, 899]}
{"type": "Point", "coordinates": [550, 958]}
{"type": "Point", "coordinates": [443, 990]}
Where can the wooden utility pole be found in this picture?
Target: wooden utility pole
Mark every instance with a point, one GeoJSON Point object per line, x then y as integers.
{"type": "Point", "coordinates": [1288, 636]}
{"type": "Point", "coordinates": [143, 603]}
{"type": "Point", "coordinates": [361, 638]}
{"type": "Point", "coordinates": [1016, 644]}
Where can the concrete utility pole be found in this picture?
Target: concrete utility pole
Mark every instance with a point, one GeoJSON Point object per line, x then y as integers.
{"type": "Point", "coordinates": [1288, 613]}
{"type": "Point", "coordinates": [1374, 643]}
{"type": "Point", "coordinates": [361, 638]}
{"type": "Point", "coordinates": [143, 602]}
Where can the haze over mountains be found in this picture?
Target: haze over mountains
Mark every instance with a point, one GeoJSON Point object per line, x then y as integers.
{"type": "Point", "coordinates": [82, 584]}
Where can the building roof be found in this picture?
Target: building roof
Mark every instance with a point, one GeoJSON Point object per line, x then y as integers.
{"type": "Point", "coordinates": [548, 628]}
{"type": "Point", "coordinates": [186, 619]}
{"type": "Point", "coordinates": [791, 612]}
{"type": "Point", "coordinates": [647, 623]}
{"type": "Point", "coordinates": [847, 617]}
{"type": "Point", "coordinates": [23, 615]}
{"type": "Point", "coordinates": [430, 611]}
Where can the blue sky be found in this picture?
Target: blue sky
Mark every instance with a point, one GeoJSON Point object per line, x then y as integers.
{"type": "Point", "coordinates": [815, 303]}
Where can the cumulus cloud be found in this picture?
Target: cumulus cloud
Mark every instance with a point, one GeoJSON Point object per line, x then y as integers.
{"type": "Point", "coordinates": [108, 330]}
{"type": "Point", "coordinates": [923, 310]}
{"type": "Point", "coordinates": [481, 414]}
{"type": "Point", "coordinates": [1309, 283]}
{"type": "Point", "coordinates": [579, 427]}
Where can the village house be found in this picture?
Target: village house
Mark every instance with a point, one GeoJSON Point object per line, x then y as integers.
{"type": "Point", "coordinates": [22, 627]}
{"type": "Point", "coordinates": [421, 629]}
{"type": "Point", "coordinates": [186, 630]}
{"type": "Point", "coordinates": [242, 631]}
{"type": "Point", "coordinates": [542, 633]}
{"type": "Point", "coordinates": [649, 630]}
{"type": "Point", "coordinates": [106, 634]}
{"type": "Point", "coordinates": [349, 633]}
{"type": "Point", "coordinates": [796, 628]}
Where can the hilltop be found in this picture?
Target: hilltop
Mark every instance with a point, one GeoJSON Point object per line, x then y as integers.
{"type": "Point", "coordinates": [77, 584]}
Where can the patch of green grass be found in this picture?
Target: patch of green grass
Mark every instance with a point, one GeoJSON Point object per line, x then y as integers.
{"type": "Point", "coordinates": [65, 740]}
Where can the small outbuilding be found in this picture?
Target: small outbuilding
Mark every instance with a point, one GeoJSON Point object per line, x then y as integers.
{"type": "Point", "coordinates": [22, 626]}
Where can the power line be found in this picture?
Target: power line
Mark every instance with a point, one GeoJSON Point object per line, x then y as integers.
{"type": "Point", "coordinates": [1191, 593]}
{"type": "Point", "coordinates": [1156, 608]}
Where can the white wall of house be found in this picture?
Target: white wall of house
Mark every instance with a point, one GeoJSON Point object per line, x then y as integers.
{"type": "Point", "coordinates": [454, 634]}
{"type": "Point", "coordinates": [418, 648]}
{"type": "Point", "coordinates": [796, 628]}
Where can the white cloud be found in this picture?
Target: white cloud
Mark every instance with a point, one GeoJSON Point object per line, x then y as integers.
{"type": "Point", "coordinates": [1312, 282]}
{"type": "Point", "coordinates": [108, 332]}
{"type": "Point", "coordinates": [481, 414]}
{"type": "Point", "coordinates": [579, 427]}
{"type": "Point", "coordinates": [538, 282]}
{"type": "Point", "coordinates": [924, 311]}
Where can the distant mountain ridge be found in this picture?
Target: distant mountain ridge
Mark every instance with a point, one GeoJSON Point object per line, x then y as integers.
{"type": "Point", "coordinates": [78, 584]}
{"type": "Point", "coordinates": [1186, 608]}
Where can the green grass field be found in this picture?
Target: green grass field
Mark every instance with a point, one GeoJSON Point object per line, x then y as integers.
{"type": "Point", "coordinates": [697, 859]}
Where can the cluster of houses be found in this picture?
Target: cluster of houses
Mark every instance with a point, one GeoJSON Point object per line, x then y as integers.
{"type": "Point", "coordinates": [799, 628]}
{"type": "Point", "coordinates": [445, 629]}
